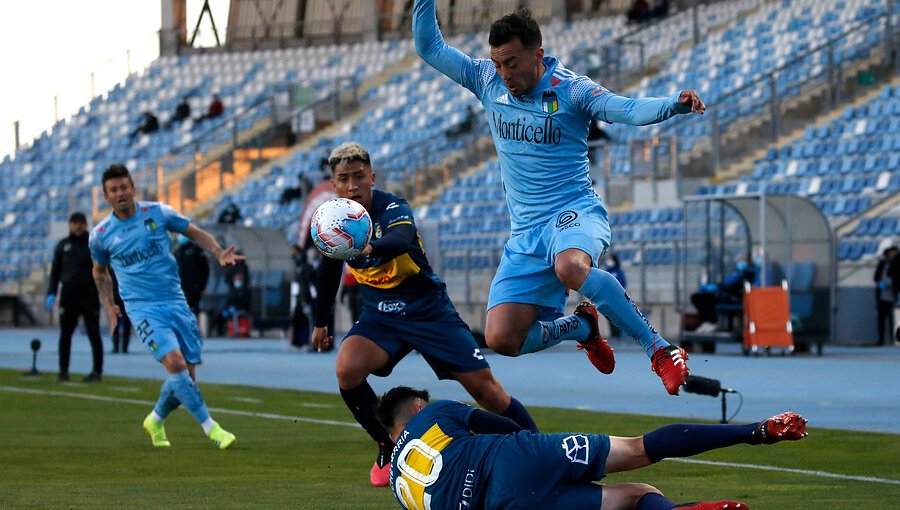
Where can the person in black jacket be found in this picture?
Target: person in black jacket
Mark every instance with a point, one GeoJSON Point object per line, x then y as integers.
{"type": "Point", "coordinates": [72, 268]}
{"type": "Point", "coordinates": [193, 268]}
{"type": "Point", "coordinates": [885, 295]}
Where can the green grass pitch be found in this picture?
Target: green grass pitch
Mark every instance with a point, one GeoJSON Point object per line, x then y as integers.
{"type": "Point", "coordinates": [63, 451]}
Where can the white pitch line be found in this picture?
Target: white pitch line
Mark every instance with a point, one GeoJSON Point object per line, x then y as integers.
{"type": "Point", "coordinates": [301, 419]}
{"type": "Point", "coordinates": [822, 474]}
{"type": "Point", "coordinates": [100, 398]}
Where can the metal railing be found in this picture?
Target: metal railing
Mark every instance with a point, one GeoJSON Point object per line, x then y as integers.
{"type": "Point", "coordinates": [222, 156]}
{"type": "Point", "coordinates": [755, 111]}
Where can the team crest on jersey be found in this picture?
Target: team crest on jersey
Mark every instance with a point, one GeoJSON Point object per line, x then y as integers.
{"type": "Point", "coordinates": [549, 102]}
{"type": "Point", "coordinates": [150, 225]}
{"type": "Point", "coordinates": [377, 232]}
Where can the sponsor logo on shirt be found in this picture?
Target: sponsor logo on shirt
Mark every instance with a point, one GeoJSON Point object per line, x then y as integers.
{"type": "Point", "coordinates": [503, 99]}
{"type": "Point", "coordinates": [520, 130]}
{"type": "Point", "coordinates": [393, 306]}
{"type": "Point", "coordinates": [140, 255]}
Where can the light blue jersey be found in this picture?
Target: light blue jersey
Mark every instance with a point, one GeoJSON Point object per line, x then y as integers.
{"type": "Point", "coordinates": [140, 252]}
{"type": "Point", "coordinates": [541, 136]}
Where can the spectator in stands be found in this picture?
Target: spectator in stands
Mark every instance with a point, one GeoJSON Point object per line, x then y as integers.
{"type": "Point", "coordinates": [639, 11]}
{"type": "Point", "coordinates": [464, 126]}
{"type": "Point", "coordinates": [193, 268]}
{"type": "Point", "coordinates": [660, 9]}
{"type": "Point", "coordinates": [730, 291]}
{"type": "Point", "coordinates": [301, 290]}
{"type": "Point", "coordinates": [237, 304]}
{"type": "Point", "coordinates": [614, 268]}
{"type": "Point", "coordinates": [121, 334]}
{"type": "Point", "coordinates": [182, 113]}
{"type": "Point", "coordinates": [304, 186]}
{"type": "Point", "coordinates": [216, 109]}
{"type": "Point", "coordinates": [546, 180]}
{"type": "Point", "coordinates": [230, 214]}
{"type": "Point", "coordinates": [885, 296]}
{"type": "Point", "coordinates": [72, 268]}
{"type": "Point", "coordinates": [149, 124]}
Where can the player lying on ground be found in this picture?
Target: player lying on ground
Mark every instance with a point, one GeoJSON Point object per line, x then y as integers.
{"type": "Point", "coordinates": [451, 455]}
{"type": "Point", "coordinates": [405, 308]}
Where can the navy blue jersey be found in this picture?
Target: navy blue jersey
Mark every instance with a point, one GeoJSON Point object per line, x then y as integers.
{"type": "Point", "coordinates": [390, 284]}
{"type": "Point", "coordinates": [438, 463]}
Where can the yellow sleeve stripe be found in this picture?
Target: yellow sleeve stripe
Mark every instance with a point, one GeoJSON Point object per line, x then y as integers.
{"type": "Point", "coordinates": [403, 222]}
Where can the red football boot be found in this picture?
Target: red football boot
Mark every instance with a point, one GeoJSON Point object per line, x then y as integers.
{"type": "Point", "coordinates": [787, 426]}
{"type": "Point", "coordinates": [670, 364]}
{"type": "Point", "coordinates": [718, 505]}
{"type": "Point", "coordinates": [596, 347]}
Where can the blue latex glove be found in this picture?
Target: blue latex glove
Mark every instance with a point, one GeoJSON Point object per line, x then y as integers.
{"type": "Point", "coordinates": [48, 303]}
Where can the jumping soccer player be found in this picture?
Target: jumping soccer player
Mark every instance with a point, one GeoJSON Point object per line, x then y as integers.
{"type": "Point", "coordinates": [539, 113]}
{"type": "Point", "coordinates": [405, 308]}
{"type": "Point", "coordinates": [450, 455]}
{"type": "Point", "coordinates": [134, 241]}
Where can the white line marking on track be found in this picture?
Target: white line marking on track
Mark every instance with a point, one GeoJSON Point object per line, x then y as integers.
{"type": "Point", "coordinates": [301, 419]}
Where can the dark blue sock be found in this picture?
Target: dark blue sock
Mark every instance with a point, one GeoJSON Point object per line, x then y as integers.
{"type": "Point", "coordinates": [686, 439]}
{"type": "Point", "coordinates": [362, 401]}
{"type": "Point", "coordinates": [517, 413]}
{"type": "Point", "coordinates": [654, 501]}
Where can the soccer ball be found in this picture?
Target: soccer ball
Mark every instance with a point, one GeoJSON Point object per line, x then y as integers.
{"type": "Point", "coordinates": [341, 228]}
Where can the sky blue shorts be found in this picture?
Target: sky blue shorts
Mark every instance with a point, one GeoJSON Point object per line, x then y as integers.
{"type": "Point", "coordinates": [561, 480]}
{"type": "Point", "coordinates": [526, 273]}
{"type": "Point", "coordinates": [164, 328]}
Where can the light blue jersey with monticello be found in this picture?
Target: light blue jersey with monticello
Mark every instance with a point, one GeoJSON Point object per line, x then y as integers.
{"type": "Point", "coordinates": [541, 136]}
{"type": "Point", "coordinates": [139, 250]}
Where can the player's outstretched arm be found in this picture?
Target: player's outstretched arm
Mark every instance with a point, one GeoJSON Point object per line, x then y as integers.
{"type": "Point", "coordinates": [225, 257]}
{"type": "Point", "coordinates": [328, 279]}
{"type": "Point", "coordinates": [608, 107]}
{"type": "Point", "coordinates": [431, 47]}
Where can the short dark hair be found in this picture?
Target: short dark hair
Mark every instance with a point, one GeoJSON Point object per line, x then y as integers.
{"type": "Point", "coordinates": [77, 217]}
{"type": "Point", "coordinates": [519, 24]}
{"type": "Point", "coordinates": [115, 171]}
{"type": "Point", "coordinates": [391, 404]}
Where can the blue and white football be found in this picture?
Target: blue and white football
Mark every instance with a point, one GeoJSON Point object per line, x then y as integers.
{"type": "Point", "coordinates": [341, 228]}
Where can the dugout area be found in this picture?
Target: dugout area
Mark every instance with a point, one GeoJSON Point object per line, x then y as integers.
{"type": "Point", "coordinates": [785, 236]}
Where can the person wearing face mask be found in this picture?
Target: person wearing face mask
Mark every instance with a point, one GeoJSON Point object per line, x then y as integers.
{"type": "Point", "coordinates": [193, 269]}
{"type": "Point", "coordinates": [72, 268]}
{"type": "Point", "coordinates": [237, 305]}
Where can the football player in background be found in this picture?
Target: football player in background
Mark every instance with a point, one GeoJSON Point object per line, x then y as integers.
{"type": "Point", "coordinates": [134, 241]}
{"type": "Point", "coordinates": [539, 114]}
{"type": "Point", "coordinates": [451, 455]}
{"type": "Point", "coordinates": [405, 308]}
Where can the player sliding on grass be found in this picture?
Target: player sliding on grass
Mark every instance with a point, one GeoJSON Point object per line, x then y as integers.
{"type": "Point", "coordinates": [451, 455]}
{"type": "Point", "coordinates": [539, 113]}
{"type": "Point", "coordinates": [134, 240]}
{"type": "Point", "coordinates": [405, 307]}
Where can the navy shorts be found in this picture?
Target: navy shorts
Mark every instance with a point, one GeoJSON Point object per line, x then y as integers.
{"type": "Point", "coordinates": [434, 329]}
{"type": "Point", "coordinates": [560, 480]}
